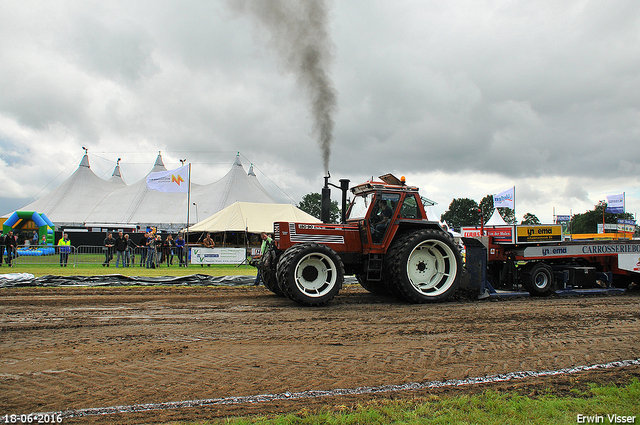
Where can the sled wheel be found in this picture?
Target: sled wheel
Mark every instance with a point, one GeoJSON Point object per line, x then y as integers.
{"type": "Point", "coordinates": [537, 278]}
{"type": "Point", "coordinates": [423, 266]}
{"type": "Point", "coordinates": [310, 273]}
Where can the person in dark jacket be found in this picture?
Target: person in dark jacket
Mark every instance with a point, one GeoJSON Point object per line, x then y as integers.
{"type": "Point", "coordinates": [143, 249]}
{"type": "Point", "coordinates": [151, 252]}
{"type": "Point", "coordinates": [167, 250]}
{"type": "Point", "coordinates": [2, 237]}
{"type": "Point", "coordinates": [10, 244]}
{"type": "Point", "coordinates": [121, 246]}
{"type": "Point", "coordinates": [180, 248]}
{"type": "Point", "coordinates": [109, 243]}
{"type": "Point", "coordinates": [129, 252]}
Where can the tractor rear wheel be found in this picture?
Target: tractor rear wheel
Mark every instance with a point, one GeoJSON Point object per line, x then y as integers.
{"type": "Point", "coordinates": [310, 273]}
{"type": "Point", "coordinates": [423, 266]}
{"type": "Point", "coordinates": [537, 278]}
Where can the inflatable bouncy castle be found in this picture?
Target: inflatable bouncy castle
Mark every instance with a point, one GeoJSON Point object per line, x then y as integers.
{"type": "Point", "coordinates": [19, 220]}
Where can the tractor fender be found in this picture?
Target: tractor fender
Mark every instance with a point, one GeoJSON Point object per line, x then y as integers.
{"type": "Point", "coordinates": [407, 225]}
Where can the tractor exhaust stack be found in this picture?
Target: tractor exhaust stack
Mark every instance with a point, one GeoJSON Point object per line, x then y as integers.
{"type": "Point", "coordinates": [325, 206]}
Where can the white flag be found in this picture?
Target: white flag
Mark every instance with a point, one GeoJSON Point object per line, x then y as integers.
{"type": "Point", "coordinates": [172, 181]}
{"type": "Point", "coordinates": [615, 204]}
{"type": "Point", "coordinates": [505, 199]}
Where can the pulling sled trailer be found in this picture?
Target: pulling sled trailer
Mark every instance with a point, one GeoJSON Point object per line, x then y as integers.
{"type": "Point", "coordinates": [531, 260]}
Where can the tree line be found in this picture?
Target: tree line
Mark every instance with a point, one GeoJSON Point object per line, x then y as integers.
{"type": "Point", "coordinates": [465, 212]}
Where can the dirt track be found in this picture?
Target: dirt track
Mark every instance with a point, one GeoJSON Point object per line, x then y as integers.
{"type": "Point", "coordinates": [76, 348]}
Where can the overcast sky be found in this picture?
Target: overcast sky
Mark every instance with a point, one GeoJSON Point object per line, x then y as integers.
{"type": "Point", "coordinates": [465, 98]}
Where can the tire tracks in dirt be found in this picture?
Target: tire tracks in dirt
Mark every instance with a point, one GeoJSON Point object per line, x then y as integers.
{"type": "Point", "coordinates": [71, 348]}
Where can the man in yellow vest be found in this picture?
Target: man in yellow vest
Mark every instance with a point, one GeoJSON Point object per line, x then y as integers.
{"type": "Point", "coordinates": [64, 245]}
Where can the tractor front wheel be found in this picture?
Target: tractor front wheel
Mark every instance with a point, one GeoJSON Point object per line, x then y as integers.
{"type": "Point", "coordinates": [267, 267]}
{"type": "Point", "coordinates": [310, 273]}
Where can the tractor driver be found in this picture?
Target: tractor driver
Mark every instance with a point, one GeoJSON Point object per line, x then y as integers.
{"type": "Point", "coordinates": [383, 216]}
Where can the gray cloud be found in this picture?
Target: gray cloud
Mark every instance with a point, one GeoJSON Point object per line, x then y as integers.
{"type": "Point", "coordinates": [509, 93]}
{"type": "Point", "coordinates": [119, 50]}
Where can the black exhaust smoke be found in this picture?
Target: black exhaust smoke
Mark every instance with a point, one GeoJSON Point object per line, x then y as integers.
{"type": "Point", "coordinates": [299, 32]}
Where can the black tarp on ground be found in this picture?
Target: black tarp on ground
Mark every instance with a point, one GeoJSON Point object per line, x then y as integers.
{"type": "Point", "coordinates": [25, 279]}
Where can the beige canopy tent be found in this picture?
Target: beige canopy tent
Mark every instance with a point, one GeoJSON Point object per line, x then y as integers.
{"type": "Point", "coordinates": [252, 217]}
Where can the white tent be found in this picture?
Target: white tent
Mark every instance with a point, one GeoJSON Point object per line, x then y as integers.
{"type": "Point", "coordinates": [86, 200]}
{"type": "Point", "coordinates": [235, 186]}
{"type": "Point", "coordinates": [254, 217]}
{"type": "Point", "coordinates": [496, 220]}
{"type": "Point", "coordinates": [446, 227]}
{"type": "Point", "coordinates": [138, 205]}
{"type": "Point", "coordinates": [76, 197]}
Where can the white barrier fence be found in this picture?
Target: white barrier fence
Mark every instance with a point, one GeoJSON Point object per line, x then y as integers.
{"type": "Point", "coordinates": [137, 257]}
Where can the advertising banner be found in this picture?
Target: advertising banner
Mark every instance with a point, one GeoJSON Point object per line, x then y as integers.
{"type": "Point", "coordinates": [630, 252]}
{"type": "Point", "coordinates": [505, 199]}
{"type": "Point", "coordinates": [626, 225]}
{"type": "Point", "coordinates": [500, 234]}
{"type": "Point", "coordinates": [539, 233]}
{"type": "Point", "coordinates": [615, 204]}
{"type": "Point", "coordinates": [171, 181]}
{"type": "Point", "coordinates": [218, 255]}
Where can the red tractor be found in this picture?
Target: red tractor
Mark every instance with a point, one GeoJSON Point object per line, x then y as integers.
{"type": "Point", "coordinates": [385, 240]}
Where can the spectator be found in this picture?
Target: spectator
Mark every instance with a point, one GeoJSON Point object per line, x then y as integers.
{"type": "Point", "coordinates": [266, 240]}
{"type": "Point", "coordinates": [167, 248]}
{"type": "Point", "coordinates": [109, 243]}
{"type": "Point", "coordinates": [64, 245]}
{"type": "Point", "coordinates": [2, 239]}
{"type": "Point", "coordinates": [121, 246]}
{"type": "Point", "coordinates": [151, 252]}
{"type": "Point", "coordinates": [143, 249]}
{"type": "Point", "coordinates": [208, 243]}
{"type": "Point", "coordinates": [158, 250]}
{"type": "Point", "coordinates": [180, 249]}
{"type": "Point", "coordinates": [10, 244]}
{"type": "Point", "coordinates": [129, 252]}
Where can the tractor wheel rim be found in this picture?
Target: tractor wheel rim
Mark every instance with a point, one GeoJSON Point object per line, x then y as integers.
{"type": "Point", "coordinates": [432, 267]}
{"type": "Point", "coordinates": [315, 274]}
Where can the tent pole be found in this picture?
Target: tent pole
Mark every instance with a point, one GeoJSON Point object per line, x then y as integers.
{"type": "Point", "coordinates": [186, 254]}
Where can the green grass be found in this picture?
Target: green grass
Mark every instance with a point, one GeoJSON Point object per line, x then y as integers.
{"type": "Point", "coordinates": [489, 407]}
{"type": "Point", "coordinates": [96, 269]}
{"type": "Point", "coordinates": [90, 264]}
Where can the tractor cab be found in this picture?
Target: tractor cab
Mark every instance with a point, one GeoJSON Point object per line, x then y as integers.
{"type": "Point", "coordinates": [379, 208]}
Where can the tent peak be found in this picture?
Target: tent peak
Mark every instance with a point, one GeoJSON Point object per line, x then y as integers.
{"type": "Point", "coordinates": [237, 162]}
{"type": "Point", "coordinates": [85, 160]}
{"type": "Point", "coordinates": [159, 160]}
{"type": "Point", "coordinates": [251, 173]}
{"type": "Point", "coordinates": [116, 171]}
